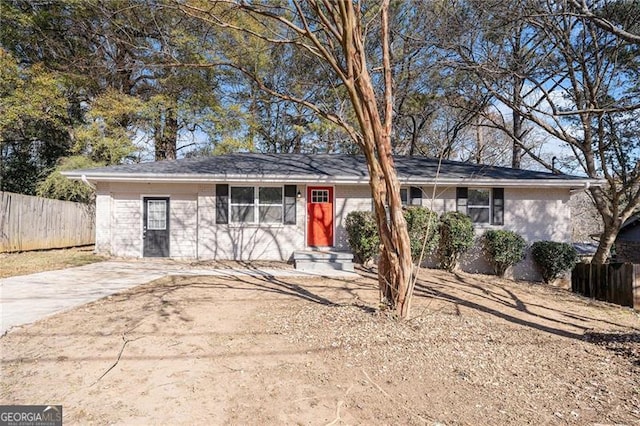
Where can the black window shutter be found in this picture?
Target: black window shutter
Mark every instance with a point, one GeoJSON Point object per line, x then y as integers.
{"type": "Point", "coordinates": [222, 203]}
{"type": "Point", "coordinates": [290, 195]}
{"type": "Point", "coordinates": [416, 196]}
{"type": "Point", "coordinates": [498, 206]}
{"type": "Point", "coordinates": [462, 193]}
{"type": "Point", "coordinates": [403, 196]}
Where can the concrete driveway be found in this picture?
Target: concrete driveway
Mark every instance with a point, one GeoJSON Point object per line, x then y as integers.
{"type": "Point", "coordinates": [29, 298]}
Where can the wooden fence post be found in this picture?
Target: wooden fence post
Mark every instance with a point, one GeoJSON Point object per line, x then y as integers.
{"type": "Point", "coordinates": [617, 283]}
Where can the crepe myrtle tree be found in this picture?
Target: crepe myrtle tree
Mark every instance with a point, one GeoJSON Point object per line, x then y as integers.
{"type": "Point", "coordinates": [345, 46]}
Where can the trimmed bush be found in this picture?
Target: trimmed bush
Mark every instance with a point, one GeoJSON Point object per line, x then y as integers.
{"type": "Point", "coordinates": [421, 223]}
{"type": "Point", "coordinates": [503, 249]}
{"type": "Point", "coordinates": [456, 237]}
{"type": "Point", "coordinates": [363, 236]}
{"type": "Point", "coordinates": [553, 258]}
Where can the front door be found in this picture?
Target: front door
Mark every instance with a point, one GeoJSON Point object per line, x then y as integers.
{"type": "Point", "coordinates": [320, 216]}
{"type": "Point", "coordinates": [155, 228]}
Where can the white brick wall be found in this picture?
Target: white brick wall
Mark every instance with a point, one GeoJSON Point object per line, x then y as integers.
{"type": "Point", "coordinates": [103, 219]}
{"type": "Point", "coordinates": [536, 214]}
{"type": "Point", "coordinates": [245, 242]}
{"type": "Point", "coordinates": [183, 214]}
{"type": "Point", "coordinates": [349, 198]}
{"type": "Point", "coordinates": [126, 218]}
{"type": "Point", "coordinates": [126, 225]}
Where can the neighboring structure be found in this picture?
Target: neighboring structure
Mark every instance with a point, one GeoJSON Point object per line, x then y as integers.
{"type": "Point", "coordinates": [627, 245]}
{"type": "Point", "coordinates": [266, 206]}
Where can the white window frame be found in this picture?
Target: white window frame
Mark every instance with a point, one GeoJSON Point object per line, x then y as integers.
{"type": "Point", "coordinates": [256, 205]}
{"type": "Point", "coordinates": [407, 200]}
{"type": "Point", "coordinates": [320, 191]}
{"type": "Point", "coordinates": [489, 206]}
{"type": "Point", "coordinates": [154, 222]}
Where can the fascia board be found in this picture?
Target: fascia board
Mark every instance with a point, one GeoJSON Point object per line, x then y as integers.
{"type": "Point", "coordinates": [199, 178]}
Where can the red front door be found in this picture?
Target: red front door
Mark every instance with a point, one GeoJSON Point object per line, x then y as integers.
{"type": "Point", "coordinates": [320, 216]}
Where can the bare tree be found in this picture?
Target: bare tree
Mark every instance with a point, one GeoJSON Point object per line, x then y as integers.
{"type": "Point", "coordinates": [593, 10]}
{"type": "Point", "coordinates": [579, 87]}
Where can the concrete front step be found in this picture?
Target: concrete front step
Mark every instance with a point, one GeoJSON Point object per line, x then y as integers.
{"type": "Point", "coordinates": [317, 261]}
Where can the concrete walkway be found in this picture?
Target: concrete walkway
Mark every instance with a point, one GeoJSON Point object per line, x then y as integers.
{"type": "Point", "coordinates": [29, 298]}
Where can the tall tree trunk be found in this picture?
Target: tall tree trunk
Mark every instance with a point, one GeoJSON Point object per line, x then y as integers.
{"type": "Point", "coordinates": [166, 134]}
{"type": "Point", "coordinates": [609, 205]}
{"type": "Point", "coordinates": [480, 140]}
{"type": "Point", "coordinates": [607, 239]}
{"type": "Point", "coordinates": [516, 154]}
{"type": "Point", "coordinates": [396, 274]}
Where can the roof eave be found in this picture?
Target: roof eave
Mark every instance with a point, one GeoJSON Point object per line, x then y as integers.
{"type": "Point", "coordinates": [303, 179]}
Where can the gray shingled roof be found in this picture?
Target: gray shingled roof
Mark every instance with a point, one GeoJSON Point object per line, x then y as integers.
{"type": "Point", "coordinates": [327, 167]}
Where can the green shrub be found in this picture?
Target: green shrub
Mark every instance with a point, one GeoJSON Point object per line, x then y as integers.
{"type": "Point", "coordinates": [456, 237]}
{"type": "Point", "coordinates": [363, 236]}
{"type": "Point", "coordinates": [421, 223]}
{"type": "Point", "coordinates": [553, 258]}
{"type": "Point", "coordinates": [504, 249]}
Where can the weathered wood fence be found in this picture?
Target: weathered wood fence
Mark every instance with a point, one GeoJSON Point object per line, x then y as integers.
{"type": "Point", "coordinates": [617, 283]}
{"type": "Point", "coordinates": [33, 223]}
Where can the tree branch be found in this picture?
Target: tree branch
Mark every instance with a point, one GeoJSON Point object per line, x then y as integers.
{"type": "Point", "coordinates": [583, 11]}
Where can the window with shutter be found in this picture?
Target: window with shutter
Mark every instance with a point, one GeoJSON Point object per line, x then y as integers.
{"type": "Point", "coordinates": [482, 205]}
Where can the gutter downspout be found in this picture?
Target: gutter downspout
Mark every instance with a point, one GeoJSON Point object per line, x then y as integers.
{"type": "Point", "coordinates": [586, 187]}
{"type": "Point", "coordinates": [86, 181]}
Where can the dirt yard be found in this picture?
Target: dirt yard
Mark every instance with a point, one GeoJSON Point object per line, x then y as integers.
{"type": "Point", "coordinates": [12, 264]}
{"type": "Point", "coordinates": [204, 350]}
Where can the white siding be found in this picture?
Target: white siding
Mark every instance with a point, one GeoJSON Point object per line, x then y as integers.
{"type": "Point", "coordinates": [536, 214]}
{"type": "Point", "coordinates": [103, 219]}
{"type": "Point", "coordinates": [349, 198]}
{"type": "Point", "coordinates": [247, 242]}
{"type": "Point", "coordinates": [126, 218]}
{"type": "Point", "coordinates": [206, 222]}
{"type": "Point", "coordinates": [183, 214]}
{"type": "Point", "coordinates": [126, 225]}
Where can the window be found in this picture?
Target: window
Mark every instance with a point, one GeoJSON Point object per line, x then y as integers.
{"type": "Point", "coordinates": [479, 205]}
{"type": "Point", "coordinates": [270, 204]}
{"type": "Point", "coordinates": [483, 205]}
{"type": "Point", "coordinates": [250, 204]}
{"type": "Point", "coordinates": [404, 196]}
{"type": "Point", "coordinates": [411, 196]}
{"type": "Point", "coordinates": [242, 205]}
{"type": "Point", "coordinates": [156, 215]}
{"type": "Point", "coordinates": [319, 196]}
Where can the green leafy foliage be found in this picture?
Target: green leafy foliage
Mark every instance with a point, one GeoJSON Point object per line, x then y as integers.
{"type": "Point", "coordinates": [553, 258]}
{"type": "Point", "coordinates": [34, 124]}
{"type": "Point", "coordinates": [107, 136]}
{"type": "Point", "coordinates": [422, 225]}
{"type": "Point", "coordinates": [456, 237]}
{"type": "Point", "coordinates": [59, 187]}
{"type": "Point", "coordinates": [503, 249]}
{"type": "Point", "coordinates": [363, 236]}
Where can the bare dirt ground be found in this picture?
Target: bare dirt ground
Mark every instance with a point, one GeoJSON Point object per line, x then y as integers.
{"type": "Point", "coordinates": [477, 350]}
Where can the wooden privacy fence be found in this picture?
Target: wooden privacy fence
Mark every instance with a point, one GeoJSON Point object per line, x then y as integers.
{"type": "Point", "coordinates": [33, 223]}
{"type": "Point", "coordinates": [617, 283]}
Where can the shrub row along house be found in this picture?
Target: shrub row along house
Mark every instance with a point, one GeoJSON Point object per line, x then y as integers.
{"type": "Point", "coordinates": [268, 206]}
